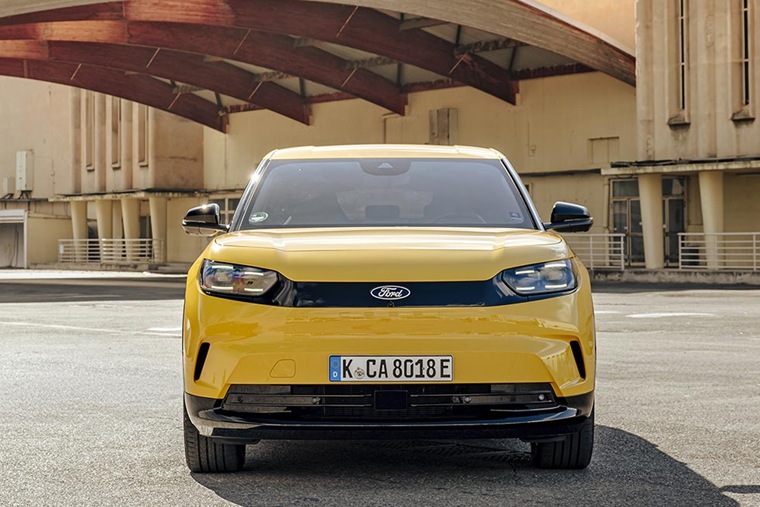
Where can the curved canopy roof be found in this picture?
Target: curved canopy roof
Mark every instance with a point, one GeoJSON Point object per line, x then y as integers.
{"type": "Point", "coordinates": [206, 59]}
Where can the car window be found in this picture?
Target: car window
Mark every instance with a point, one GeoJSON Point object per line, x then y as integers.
{"type": "Point", "coordinates": [386, 192]}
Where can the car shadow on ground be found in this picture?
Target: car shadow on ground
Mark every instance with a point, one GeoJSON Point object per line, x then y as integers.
{"type": "Point", "coordinates": [72, 290]}
{"type": "Point", "coordinates": [626, 470]}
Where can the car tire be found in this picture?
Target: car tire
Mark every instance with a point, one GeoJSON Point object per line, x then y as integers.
{"type": "Point", "coordinates": [573, 452]}
{"type": "Point", "coordinates": [204, 455]}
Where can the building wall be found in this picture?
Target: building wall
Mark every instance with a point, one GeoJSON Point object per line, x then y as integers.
{"type": "Point", "coordinates": [588, 190]}
{"type": "Point", "coordinates": [230, 159]}
{"type": "Point", "coordinates": [181, 247]}
{"type": "Point", "coordinates": [176, 152]}
{"type": "Point", "coordinates": [582, 121]}
{"type": "Point", "coordinates": [43, 235]}
{"type": "Point", "coordinates": [714, 122]}
{"type": "Point", "coordinates": [740, 195]}
{"type": "Point", "coordinates": [740, 198]}
{"type": "Point", "coordinates": [37, 118]}
{"type": "Point", "coordinates": [125, 146]}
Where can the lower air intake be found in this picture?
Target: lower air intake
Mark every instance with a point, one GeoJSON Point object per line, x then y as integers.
{"type": "Point", "coordinates": [390, 402]}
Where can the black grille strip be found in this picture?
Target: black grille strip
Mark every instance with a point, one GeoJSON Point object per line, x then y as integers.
{"type": "Point", "coordinates": [424, 402]}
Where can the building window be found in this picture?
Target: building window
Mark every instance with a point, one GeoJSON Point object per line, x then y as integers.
{"type": "Point", "coordinates": [143, 135]}
{"type": "Point", "coordinates": [742, 56]}
{"type": "Point", "coordinates": [745, 53]}
{"type": "Point", "coordinates": [115, 133]}
{"type": "Point", "coordinates": [146, 230]}
{"type": "Point", "coordinates": [626, 218]}
{"type": "Point", "coordinates": [89, 131]}
{"type": "Point", "coordinates": [227, 207]}
{"type": "Point", "coordinates": [681, 68]}
{"type": "Point", "coordinates": [682, 54]}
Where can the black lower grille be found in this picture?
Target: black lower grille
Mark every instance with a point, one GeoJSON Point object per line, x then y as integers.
{"type": "Point", "coordinates": [389, 402]}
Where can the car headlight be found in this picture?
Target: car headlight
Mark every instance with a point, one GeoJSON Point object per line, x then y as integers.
{"type": "Point", "coordinates": [236, 280]}
{"type": "Point", "coordinates": [544, 278]}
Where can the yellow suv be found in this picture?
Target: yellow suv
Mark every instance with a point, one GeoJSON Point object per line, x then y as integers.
{"type": "Point", "coordinates": [387, 291]}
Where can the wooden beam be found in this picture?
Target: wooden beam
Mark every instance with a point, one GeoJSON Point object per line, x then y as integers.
{"type": "Point", "coordinates": [416, 23]}
{"type": "Point", "coordinates": [527, 21]}
{"type": "Point", "coordinates": [441, 84]}
{"type": "Point", "coordinates": [94, 12]}
{"type": "Point", "coordinates": [269, 50]}
{"type": "Point", "coordinates": [364, 29]}
{"type": "Point", "coordinates": [483, 46]}
{"type": "Point", "coordinates": [135, 87]}
{"type": "Point", "coordinates": [375, 61]}
{"type": "Point", "coordinates": [17, 7]}
{"type": "Point", "coordinates": [558, 70]}
{"type": "Point", "coordinates": [220, 77]}
{"type": "Point", "coordinates": [177, 66]}
{"type": "Point", "coordinates": [272, 51]}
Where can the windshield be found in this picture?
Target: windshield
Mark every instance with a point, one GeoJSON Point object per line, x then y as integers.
{"type": "Point", "coordinates": [385, 192]}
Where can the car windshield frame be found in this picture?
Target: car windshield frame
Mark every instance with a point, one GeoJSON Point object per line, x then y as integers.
{"type": "Point", "coordinates": [502, 185]}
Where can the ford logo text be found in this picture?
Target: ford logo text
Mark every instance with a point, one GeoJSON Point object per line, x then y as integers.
{"type": "Point", "coordinates": [390, 292]}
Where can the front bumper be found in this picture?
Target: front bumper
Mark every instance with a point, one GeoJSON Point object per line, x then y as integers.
{"type": "Point", "coordinates": [212, 421]}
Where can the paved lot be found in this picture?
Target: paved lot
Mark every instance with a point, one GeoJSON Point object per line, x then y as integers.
{"type": "Point", "coordinates": [91, 412]}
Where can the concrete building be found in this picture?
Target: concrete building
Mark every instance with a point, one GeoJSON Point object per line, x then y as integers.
{"type": "Point", "coordinates": [697, 165]}
{"type": "Point", "coordinates": [550, 84]}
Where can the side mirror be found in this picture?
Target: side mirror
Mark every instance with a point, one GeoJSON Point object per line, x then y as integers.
{"type": "Point", "coordinates": [568, 217]}
{"type": "Point", "coordinates": [203, 220]}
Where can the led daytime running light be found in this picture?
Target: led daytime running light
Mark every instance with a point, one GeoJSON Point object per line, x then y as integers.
{"type": "Point", "coordinates": [546, 278]}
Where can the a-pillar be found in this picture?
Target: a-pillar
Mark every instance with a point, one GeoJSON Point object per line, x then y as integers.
{"type": "Point", "coordinates": [130, 213]}
{"type": "Point", "coordinates": [158, 227]}
{"type": "Point", "coordinates": [104, 215]}
{"type": "Point", "coordinates": [711, 194]}
{"type": "Point", "coordinates": [79, 229]}
{"type": "Point", "coordinates": [650, 194]}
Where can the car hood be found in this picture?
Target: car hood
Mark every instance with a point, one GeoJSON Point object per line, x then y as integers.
{"type": "Point", "coordinates": [395, 254]}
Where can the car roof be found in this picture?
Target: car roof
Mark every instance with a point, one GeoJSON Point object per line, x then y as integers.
{"type": "Point", "coordinates": [383, 151]}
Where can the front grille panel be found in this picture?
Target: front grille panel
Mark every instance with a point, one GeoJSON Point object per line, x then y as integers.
{"type": "Point", "coordinates": [380, 402]}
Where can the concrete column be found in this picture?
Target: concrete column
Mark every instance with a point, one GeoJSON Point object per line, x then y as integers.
{"type": "Point", "coordinates": [117, 230]}
{"type": "Point", "coordinates": [650, 192]}
{"type": "Point", "coordinates": [711, 194]}
{"type": "Point", "coordinates": [104, 215]}
{"type": "Point", "coordinates": [118, 224]}
{"type": "Point", "coordinates": [79, 228]}
{"type": "Point", "coordinates": [130, 212]}
{"type": "Point", "coordinates": [158, 227]}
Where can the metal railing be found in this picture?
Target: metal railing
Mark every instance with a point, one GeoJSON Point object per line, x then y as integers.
{"type": "Point", "coordinates": [719, 251]}
{"type": "Point", "coordinates": [598, 251]}
{"type": "Point", "coordinates": [110, 251]}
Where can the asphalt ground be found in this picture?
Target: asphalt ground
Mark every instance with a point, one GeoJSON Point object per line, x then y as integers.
{"type": "Point", "coordinates": [90, 412]}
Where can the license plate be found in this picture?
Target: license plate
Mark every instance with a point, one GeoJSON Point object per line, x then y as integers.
{"type": "Point", "coordinates": [391, 368]}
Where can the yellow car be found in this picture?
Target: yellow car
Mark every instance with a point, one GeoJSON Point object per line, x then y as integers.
{"type": "Point", "coordinates": [385, 291]}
